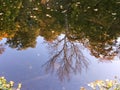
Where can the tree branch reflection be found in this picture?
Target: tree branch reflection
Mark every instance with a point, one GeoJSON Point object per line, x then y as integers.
{"type": "Point", "coordinates": [2, 49]}
{"type": "Point", "coordinates": [66, 57]}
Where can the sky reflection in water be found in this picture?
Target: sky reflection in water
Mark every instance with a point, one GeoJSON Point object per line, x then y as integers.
{"type": "Point", "coordinates": [59, 45]}
{"type": "Point", "coordinates": [27, 67]}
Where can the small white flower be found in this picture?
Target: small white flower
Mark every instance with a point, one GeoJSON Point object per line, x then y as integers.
{"type": "Point", "coordinates": [107, 80]}
{"type": "Point", "coordinates": [3, 77]}
{"type": "Point", "coordinates": [1, 19]}
{"type": "Point", "coordinates": [89, 85]}
{"type": "Point", "coordinates": [52, 31]}
{"type": "Point", "coordinates": [19, 85]}
{"type": "Point", "coordinates": [1, 13]}
{"type": "Point", "coordinates": [33, 16]}
{"type": "Point", "coordinates": [61, 7]}
{"type": "Point", "coordinates": [88, 7]}
{"type": "Point", "coordinates": [118, 2]}
{"type": "Point", "coordinates": [47, 15]}
{"type": "Point", "coordinates": [48, 7]}
{"type": "Point", "coordinates": [114, 14]}
{"type": "Point", "coordinates": [95, 9]}
{"type": "Point", "coordinates": [64, 11]}
{"type": "Point", "coordinates": [78, 3]}
{"type": "Point", "coordinates": [11, 83]}
{"type": "Point", "coordinates": [35, 9]}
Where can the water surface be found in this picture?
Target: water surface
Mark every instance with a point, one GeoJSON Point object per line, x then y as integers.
{"type": "Point", "coordinates": [59, 45]}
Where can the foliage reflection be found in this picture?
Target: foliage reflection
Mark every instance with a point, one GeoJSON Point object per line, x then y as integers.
{"type": "Point", "coordinates": [93, 24]}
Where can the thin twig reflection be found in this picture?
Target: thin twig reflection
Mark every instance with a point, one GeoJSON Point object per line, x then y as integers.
{"type": "Point", "coordinates": [66, 58]}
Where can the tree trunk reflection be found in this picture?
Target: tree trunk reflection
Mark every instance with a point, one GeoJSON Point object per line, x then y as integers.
{"type": "Point", "coordinates": [66, 56]}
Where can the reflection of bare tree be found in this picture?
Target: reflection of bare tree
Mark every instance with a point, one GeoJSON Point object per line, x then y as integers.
{"type": "Point", "coordinates": [2, 49]}
{"type": "Point", "coordinates": [66, 57]}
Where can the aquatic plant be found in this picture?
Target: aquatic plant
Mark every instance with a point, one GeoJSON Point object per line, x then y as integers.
{"type": "Point", "coordinates": [104, 85]}
{"type": "Point", "coordinates": [5, 85]}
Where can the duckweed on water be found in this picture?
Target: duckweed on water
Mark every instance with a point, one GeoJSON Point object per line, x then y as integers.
{"type": "Point", "coordinates": [4, 85]}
